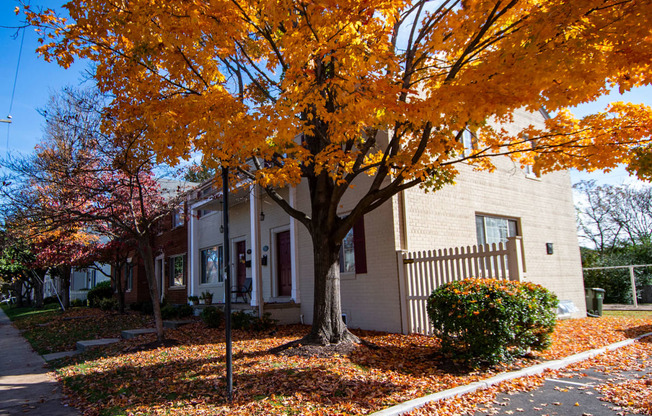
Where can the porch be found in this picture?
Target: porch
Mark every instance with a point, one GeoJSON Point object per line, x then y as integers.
{"type": "Point", "coordinates": [262, 245]}
{"type": "Point", "coordinates": [285, 313]}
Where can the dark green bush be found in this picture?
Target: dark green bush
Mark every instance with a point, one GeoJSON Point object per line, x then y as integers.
{"type": "Point", "coordinates": [212, 316]}
{"type": "Point", "coordinates": [246, 321]}
{"type": "Point", "coordinates": [77, 303]}
{"type": "Point", "coordinates": [145, 307]}
{"type": "Point", "coordinates": [185, 310]}
{"type": "Point", "coordinates": [486, 321]}
{"type": "Point", "coordinates": [108, 304]}
{"type": "Point", "coordinates": [241, 320]}
{"type": "Point", "coordinates": [50, 299]}
{"type": "Point", "coordinates": [264, 323]}
{"type": "Point", "coordinates": [168, 311]}
{"type": "Point", "coordinates": [102, 290]}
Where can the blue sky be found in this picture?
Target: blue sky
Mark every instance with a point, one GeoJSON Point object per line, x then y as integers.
{"type": "Point", "coordinates": [37, 79]}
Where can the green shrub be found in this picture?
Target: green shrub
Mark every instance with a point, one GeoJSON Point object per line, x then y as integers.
{"type": "Point", "coordinates": [486, 321]}
{"type": "Point", "coordinates": [246, 321]}
{"type": "Point", "coordinates": [77, 303]}
{"type": "Point", "coordinates": [168, 311]}
{"type": "Point", "coordinates": [265, 323]}
{"type": "Point", "coordinates": [142, 306]}
{"type": "Point", "coordinates": [145, 307]}
{"type": "Point", "coordinates": [102, 290]}
{"type": "Point", "coordinates": [185, 310]}
{"type": "Point", "coordinates": [212, 316]}
{"type": "Point", "coordinates": [50, 299]}
{"type": "Point", "coordinates": [108, 304]}
{"type": "Point", "coordinates": [241, 320]}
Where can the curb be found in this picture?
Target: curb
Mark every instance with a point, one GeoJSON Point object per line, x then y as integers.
{"type": "Point", "coordinates": [484, 384]}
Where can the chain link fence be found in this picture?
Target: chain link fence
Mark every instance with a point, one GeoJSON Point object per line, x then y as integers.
{"type": "Point", "coordinates": [631, 284]}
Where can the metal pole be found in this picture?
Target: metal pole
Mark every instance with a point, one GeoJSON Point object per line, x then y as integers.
{"type": "Point", "coordinates": [632, 277]}
{"type": "Point", "coordinates": [227, 283]}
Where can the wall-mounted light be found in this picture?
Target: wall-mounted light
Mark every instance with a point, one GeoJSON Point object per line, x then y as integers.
{"type": "Point", "coordinates": [549, 248]}
{"type": "Point", "coordinates": [221, 229]}
{"type": "Point", "coordinates": [262, 216]}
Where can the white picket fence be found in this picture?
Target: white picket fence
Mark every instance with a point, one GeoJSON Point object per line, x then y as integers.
{"type": "Point", "coordinates": [421, 272]}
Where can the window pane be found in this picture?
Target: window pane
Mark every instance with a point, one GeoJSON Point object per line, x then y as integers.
{"type": "Point", "coordinates": [211, 265]}
{"type": "Point", "coordinates": [178, 217]}
{"type": "Point", "coordinates": [513, 230]}
{"type": "Point", "coordinates": [347, 254]}
{"type": "Point", "coordinates": [479, 228]}
{"type": "Point", "coordinates": [494, 229]}
{"type": "Point", "coordinates": [176, 271]}
{"type": "Point", "coordinates": [130, 276]}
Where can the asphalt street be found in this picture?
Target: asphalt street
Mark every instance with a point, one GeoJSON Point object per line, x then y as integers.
{"type": "Point", "coordinates": [574, 395]}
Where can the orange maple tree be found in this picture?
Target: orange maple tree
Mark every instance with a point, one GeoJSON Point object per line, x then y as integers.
{"type": "Point", "coordinates": [372, 92]}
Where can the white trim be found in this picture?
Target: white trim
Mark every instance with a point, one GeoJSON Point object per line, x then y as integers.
{"type": "Point", "coordinates": [294, 248]}
{"type": "Point", "coordinates": [191, 249]}
{"type": "Point", "coordinates": [234, 268]}
{"type": "Point", "coordinates": [159, 273]}
{"type": "Point", "coordinates": [198, 204]}
{"type": "Point", "coordinates": [256, 268]}
{"type": "Point", "coordinates": [273, 253]}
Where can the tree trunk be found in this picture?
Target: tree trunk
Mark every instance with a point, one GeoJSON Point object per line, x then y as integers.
{"type": "Point", "coordinates": [38, 290]}
{"type": "Point", "coordinates": [18, 290]}
{"type": "Point", "coordinates": [327, 324]}
{"type": "Point", "coordinates": [119, 286]}
{"type": "Point", "coordinates": [145, 250]}
{"type": "Point", "coordinates": [65, 286]}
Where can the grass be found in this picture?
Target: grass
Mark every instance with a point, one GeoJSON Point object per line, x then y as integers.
{"type": "Point", "coordinates": [51, 330]}
{"type": "Point", "coordinates": [633, 314]}
{"type": "Point", "coordinates": [15, 313]}
{"type": "Point", "coordinates": [189, 377]}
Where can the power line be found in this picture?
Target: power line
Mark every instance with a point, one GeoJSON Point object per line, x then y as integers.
{"type": "Point", "coordinates": [13, 91]}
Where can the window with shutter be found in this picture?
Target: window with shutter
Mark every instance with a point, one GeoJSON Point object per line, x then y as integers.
{"type": "Point", "coordinates": [353, 254]}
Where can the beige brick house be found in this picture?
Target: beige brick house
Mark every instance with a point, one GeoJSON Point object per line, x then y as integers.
{"type": "Point", "coordinates": [274, 250]}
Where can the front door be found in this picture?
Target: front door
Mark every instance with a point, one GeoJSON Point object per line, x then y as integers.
{"type": "Point", "coordinates": [241, 267]}
{"type": "Point", "coordinates": [283, 264]}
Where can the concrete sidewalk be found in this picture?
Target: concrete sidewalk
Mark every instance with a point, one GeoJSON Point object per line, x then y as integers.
{"type": "Point", "coordinates": [25, 386]}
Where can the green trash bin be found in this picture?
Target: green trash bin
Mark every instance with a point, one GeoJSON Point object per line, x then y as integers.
{"type": "Point", "coordinates": [594, 299]}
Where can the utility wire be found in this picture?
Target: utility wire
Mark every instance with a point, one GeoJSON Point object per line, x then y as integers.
{"type": "Point", "coordinates": [13, 91]}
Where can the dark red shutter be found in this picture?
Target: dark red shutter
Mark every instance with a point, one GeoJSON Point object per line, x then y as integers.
{"type": "Point", "coordinates": [359, 247]}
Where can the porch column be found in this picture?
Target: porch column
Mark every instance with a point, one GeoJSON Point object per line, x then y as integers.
{"type": "Point", "coordinates": [192, 252]}
{"type": "Point", "coordinates": [256, 270]}
{"type": "Point", "coordinates": [294, 247]}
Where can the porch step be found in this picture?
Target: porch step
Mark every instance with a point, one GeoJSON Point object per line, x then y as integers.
{"type": "Point", "coordinates": [83, 346]}
{"type": "Point", "coordinates": [133, 333]}
{"type": "Point", "coordinates": [57, 355]}
{"type": "Point", "coordinates": [175, 324]}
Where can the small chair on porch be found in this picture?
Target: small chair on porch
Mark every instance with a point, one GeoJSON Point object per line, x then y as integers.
{"type": "Point", "coordinates": [243, 291]}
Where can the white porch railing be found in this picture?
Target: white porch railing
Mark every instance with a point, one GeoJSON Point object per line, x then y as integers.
{"type": "Point", "coordinates": [78, 294]}
{"type": "Point", "coordinates": [421, 272]}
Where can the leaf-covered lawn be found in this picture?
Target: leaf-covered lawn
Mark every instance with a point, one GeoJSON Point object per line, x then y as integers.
{"type": "Point", "coordinates": [59, 331]}
{"type": "Point", "coordinates": [189, 378]}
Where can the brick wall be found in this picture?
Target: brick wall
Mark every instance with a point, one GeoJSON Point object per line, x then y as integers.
{"type": "Point", "coordinates": [171, 242]}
